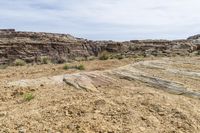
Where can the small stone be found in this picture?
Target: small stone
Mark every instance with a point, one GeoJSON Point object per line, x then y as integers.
{"type": "Point", "coordinates": [2, 114]}
{"type": "Point", "coordinates": [66, 113]}
{"type": "Point", "coordinates": [41, 85]}
{"type": "Point", "coordinates": [161, 113]}
{"type": "Point", "coordinates": [143, 118]}
{"type": "Point", "coordinates": [21, 130]}
{"type": "Point", "coordinates": [142, 129]}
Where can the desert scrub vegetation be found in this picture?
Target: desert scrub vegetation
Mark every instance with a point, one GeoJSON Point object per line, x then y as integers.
{"type": "Point", "coordinates": [3, 66]}
{"type": "Point", "coordinates": [66, 67]}
{"type": "Point", "coordinates": [45, 60]}
{"type": "Point", "coordinates": [104, 56]}
{"type": "Point", "coordinates": [119, 57]}
{"type": "Point", "coordinates": [198, 53]}
{"type": "Point", "coordinates": [90, 58]}
{"type": "Point", "coordinates": [28, 96]}
{"type": "Point", "coordinates": [78, 67]}
{"type": "Point", "coordinates": [19, 62]}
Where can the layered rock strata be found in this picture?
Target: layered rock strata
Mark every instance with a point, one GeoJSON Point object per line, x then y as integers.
{"type": "Point", "coordinates": [31, 46]}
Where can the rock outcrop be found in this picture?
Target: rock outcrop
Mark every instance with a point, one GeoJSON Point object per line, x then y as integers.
{"type": "Point", "coordinates": [144, 72]}
{"type": "Point", "coordinates": [196, 40]}
{"type": "Point", "coordinates": [31, 46]}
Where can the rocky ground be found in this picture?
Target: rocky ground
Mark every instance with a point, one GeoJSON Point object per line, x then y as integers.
{"type": "Point", "coordinates": [131, 95]}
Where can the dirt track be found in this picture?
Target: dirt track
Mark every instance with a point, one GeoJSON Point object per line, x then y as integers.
{"type": "Point", "coordinates": [126, 106]}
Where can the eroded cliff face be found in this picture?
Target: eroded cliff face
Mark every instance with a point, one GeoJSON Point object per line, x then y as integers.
{"type": "Point", "coordinates": [195, 40]}
{"type": "Point", "coordinates": [30, 46]}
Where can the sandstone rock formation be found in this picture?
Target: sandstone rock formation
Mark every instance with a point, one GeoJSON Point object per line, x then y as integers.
{"type": "Point", "coordinates": [196, 40]}
{"type": "Point", "coordinates": [142, 71]}
{"type": "Point", "coordinates": [30, 46]}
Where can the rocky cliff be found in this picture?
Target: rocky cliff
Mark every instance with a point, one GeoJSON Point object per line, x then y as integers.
{"type": "Point", "coordinates": [30, 46]}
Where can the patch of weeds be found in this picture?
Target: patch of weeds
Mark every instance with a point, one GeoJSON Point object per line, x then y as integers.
{"type": "Point", "coordinates": [3, 66]}
{"type": "Point", "coordinates": [80, 58]}
{"type": "Point", "coordinates": [198, 53]}
{"type": "Point", "coordinates": [139, 58]}
{"type": "Point", "coordinates": [80, 67]}
{"type": "Point", "coordinates": [120, 57]}
{"type": "Point", "coordinates": [19, 62]}
{"type": "Point", "coordinates": [104, 56]}
{"type": "Point", "coordinates": [45, 60]}
{"type": "Point", "coordinates": [66, 67]}
{"type": "Point", "coordinates": [28, 96]}
{"type": "Point", "coordinates": [61, 61]}
{"type": "Point", "coordinates": [58, 60]}
{"type": "Point", "coordinates": [91, 58]}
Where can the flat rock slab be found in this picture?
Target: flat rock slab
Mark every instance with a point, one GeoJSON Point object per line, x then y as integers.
{"type": "Point", "coordinates": [91, 81]}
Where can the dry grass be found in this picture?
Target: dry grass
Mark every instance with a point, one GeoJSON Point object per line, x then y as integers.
{"type": "Point", "coordinates": [19, 62]}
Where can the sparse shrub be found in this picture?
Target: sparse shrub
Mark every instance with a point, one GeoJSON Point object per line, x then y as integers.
{"type": "Point", "coordinates": [3, 66]}
{"type": "Point", "coordinates": [91, 58]}
{"type": "Point", "coordinates": [57, 60]}
{"type": "Point", "coordinates": [104, 56]}
{"type": "Point", "coordinates": [120, 57]}
{"type": "Point", "coordinates": [80, 67]}
{"type": "Point", "coordinates": [28, 96]}
{"type": "Point", "coordinates": [139, 58]}
{"type": "Point", "coordinates": [19, 62]}
{"type": "Point", "coordinates": [45, 60]}
{"type": "Point", "coordinates": [61, 61]}
{"type": "Point", "coordinates": [66, 67]}
{"type": "Point", "coordinates": [198, 53]}
{"type": "Point", "coordinates": [80, 59]}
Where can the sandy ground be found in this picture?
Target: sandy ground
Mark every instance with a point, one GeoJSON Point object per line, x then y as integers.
{"type": "Point", "coordinates": [126, 107]}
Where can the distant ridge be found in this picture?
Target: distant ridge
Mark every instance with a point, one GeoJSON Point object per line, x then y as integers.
{"type": "Point", "coordinates": [31, 46]}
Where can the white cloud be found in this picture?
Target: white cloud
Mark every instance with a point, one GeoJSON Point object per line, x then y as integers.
{"type": "Point", "coordinates": [104, 19]}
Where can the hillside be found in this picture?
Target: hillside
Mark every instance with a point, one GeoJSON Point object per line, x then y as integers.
{"type": "Point", "coordinates": [57, 83]}
{"type": "Point", "coordinates": [31, 46]}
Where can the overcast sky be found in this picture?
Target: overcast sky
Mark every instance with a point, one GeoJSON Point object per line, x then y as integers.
{"type": "Point", "coordinates": [104, 19]}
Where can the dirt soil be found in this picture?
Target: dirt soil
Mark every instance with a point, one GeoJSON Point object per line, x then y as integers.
{"type": "Point", "coordinates": [125, 107]}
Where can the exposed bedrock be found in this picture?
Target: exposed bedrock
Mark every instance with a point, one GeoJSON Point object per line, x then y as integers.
{"type": "Point", "coordinates": [30, 46]}
{"type": "Point", "coordinates": [96, 80]}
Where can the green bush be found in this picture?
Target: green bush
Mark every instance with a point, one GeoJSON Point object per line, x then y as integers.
{"type": "Point", "coordinates": [104, 57]}
{"type": "Point", "coordinates": [66, 67]}
{"type": "Point", "coordinates": [19, 62]}
{"type": "Point", "coordinates": [80, 67]}
{"type": "Point", "coordinates": [28, 96]}
{"type": "Point", "coordinates": [45, 60]}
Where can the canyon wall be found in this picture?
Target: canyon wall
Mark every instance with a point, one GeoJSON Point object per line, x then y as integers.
{"type": "Point", "coordinates": [30, 46]}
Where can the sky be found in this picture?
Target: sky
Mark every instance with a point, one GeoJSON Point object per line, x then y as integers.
{"type": "Point", "coordinates": [104, 19]}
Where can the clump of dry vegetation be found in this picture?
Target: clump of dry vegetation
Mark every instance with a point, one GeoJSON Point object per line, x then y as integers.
{"type": "Point", "coordinates": [45, 60]}
{"type": "Point", "coordinates": [198, 53]}
{"type": "Point", "coordinates": [19, 62]}
{"type": "Point", "coordinates": [3, 66]}
{"type": "Point", "coordinates": [66, 67]}
{"type": "Point", "coordinates": [78, 67]}
{"type": "Point", "coordinates": [104, 57]}
{"type": "Point", "coordinates": [28, 96]}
